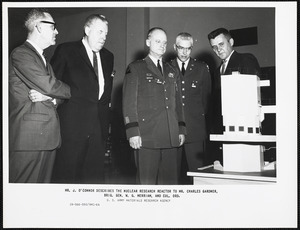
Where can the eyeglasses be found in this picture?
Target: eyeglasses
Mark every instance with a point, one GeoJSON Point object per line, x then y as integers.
{"type": "Point", "coordinates": [180, 48]}
{"type": "Point", "coordinates": [52, 23]}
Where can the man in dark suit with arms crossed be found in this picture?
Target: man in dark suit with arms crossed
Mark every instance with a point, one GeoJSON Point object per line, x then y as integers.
{"type": "Point", "coordinates": [34, 131]}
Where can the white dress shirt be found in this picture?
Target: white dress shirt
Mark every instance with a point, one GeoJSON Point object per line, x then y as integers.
{"type": "Point", "coordinates": [185, 63]}
{"type": "Point", "coordinates": [225, 62]}
{"type": "Point", "coordinates": [155, 61]}
{"type": "Point", "coordinates": [100, 71]}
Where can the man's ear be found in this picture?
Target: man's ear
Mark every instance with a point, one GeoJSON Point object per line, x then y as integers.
{"type": "Point", "coordinates": [174, 47]}
{"type": "Point", "coordinates": [87, 30]}
{"type": "Point", "coordinates": [231, 41]}
{"type": "Point", "coordinates": [38, 28]}
{"type": "Point", "coordinates": [148, 42]}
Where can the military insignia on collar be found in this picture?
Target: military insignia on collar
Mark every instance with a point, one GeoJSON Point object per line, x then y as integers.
{"type": "Point", "coordinates": [171, 75]}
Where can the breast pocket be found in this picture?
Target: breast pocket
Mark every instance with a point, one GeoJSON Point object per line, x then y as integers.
{"type": "Point", "coordinates": [36, 117]}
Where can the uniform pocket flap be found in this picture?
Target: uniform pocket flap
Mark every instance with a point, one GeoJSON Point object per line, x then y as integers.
{"type": "Point", "coordinates": [36, 117]}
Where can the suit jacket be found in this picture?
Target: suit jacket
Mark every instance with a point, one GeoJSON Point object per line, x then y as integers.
{"type": "Point", "coordinates": [152, 105]}
{"type": "Point", "coordinates": [33, 126]}
{"type": "Point", "coordinates": [245, 63]}
{"type": "Point", "coordinates": [80, 113]}
{"type": "Point", "coordinates": [196, 90]}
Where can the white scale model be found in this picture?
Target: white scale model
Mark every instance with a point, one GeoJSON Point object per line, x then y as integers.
{"type": "Point", "coordinates": [242, 116]}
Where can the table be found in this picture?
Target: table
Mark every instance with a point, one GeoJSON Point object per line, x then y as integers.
{"type": "Point", "coordinates": [211, 176]}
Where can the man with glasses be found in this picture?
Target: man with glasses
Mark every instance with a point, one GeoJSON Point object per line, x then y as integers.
{"type": "Point", "coordinates": [153, 113]}
{"type": "Point", "coordinates": [196, 89]}
{"type": "Point", "coordinates": [245, 63]}
{"type": "Point", "coordinates": [88, 68]}
{"type": "Point", "coordinates": [34, 130]}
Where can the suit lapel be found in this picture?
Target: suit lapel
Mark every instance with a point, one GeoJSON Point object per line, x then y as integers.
{"type": "Point", "coordinates": [165, 69]}
{"type": "Point", "coordinates": [231, 64]}
{"type": "Point", "coordinates": [29, 46]}
{"type": "Point", "coordinates": [190, 67]}
{"type": "Point", "coordinates": [103, 63]}
{"type": "Point", "coordinates": [175, 63]}
{"type": "Point", "coordinates": [85, 57]}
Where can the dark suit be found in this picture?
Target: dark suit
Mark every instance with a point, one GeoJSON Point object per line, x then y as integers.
{"type": "Point", "coordinates": [152, 109]}
{"type": "Point", "coordinates": [84, 118]}
{"type": "Point", "coordinates": [34, 127]}
{"type": "Point", "coordinates": [196, 90]}
{"type": "Point", "coordinates": [245, 63]}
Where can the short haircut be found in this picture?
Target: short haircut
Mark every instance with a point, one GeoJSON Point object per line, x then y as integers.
{"type": "Point", "coordinates": [217, 32]}
{"type": "Point", "coordinates": [33, 16]}
{"type": "Point", "coordinates": [90, 19]}
{"type": "Point", "coordinates": [154, 29]}
{"type": "Point", "coordinates": [185, 36]}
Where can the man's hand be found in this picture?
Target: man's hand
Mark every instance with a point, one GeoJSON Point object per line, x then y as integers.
{"type": "Point", "coordinates": [135, 142]}
{"type": "Point", "coordinates": [36, 96]}
{"type": "Point", "coordinates": [181, 139]}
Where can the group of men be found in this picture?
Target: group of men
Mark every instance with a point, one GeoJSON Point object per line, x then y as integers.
{"type": "Point", "coordinates": [59, 112]}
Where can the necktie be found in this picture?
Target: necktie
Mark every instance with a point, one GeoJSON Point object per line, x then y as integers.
{"type": "Point", "coordinates": [159, 67]}
{"type": "Point", "coordinates": [44, 55]}
{"type": "Point", "coordinates": [223, 67]}
{"type": "Point", "coordinates": [95, 63]}
{"type": "Point", "coordinates": [182, 69]}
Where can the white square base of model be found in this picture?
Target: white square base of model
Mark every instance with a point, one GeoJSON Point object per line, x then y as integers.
{"type": "Point", "coordinates": [243, 158]}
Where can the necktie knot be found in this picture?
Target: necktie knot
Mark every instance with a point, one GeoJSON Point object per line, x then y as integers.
{"type": "Point", "coordinates": [182, 68]}
{"type": "Point", "coordinates": [223, 66]}
{"type": "Point", "coordinates": [44, 55]}
{"type": "Point", "coordinates": [159, 67]}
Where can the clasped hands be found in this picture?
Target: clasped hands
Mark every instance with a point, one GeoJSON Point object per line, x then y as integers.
{"type": "Point", "coordinates": [136, 141]}
{"type": "Point", "coordinates": [36, 96]}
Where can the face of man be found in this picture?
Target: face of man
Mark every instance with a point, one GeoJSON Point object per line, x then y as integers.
{"type": "Point", "coordinates": [48, 30]}
{"type": "Point", "coordinates": [157, 43]}
{"type": "Point", "coordinates": [96, 34]}
{"type": "Point", "coordinates": [222, 46]}
{"type": "Point", "coordinates": [183, 49]}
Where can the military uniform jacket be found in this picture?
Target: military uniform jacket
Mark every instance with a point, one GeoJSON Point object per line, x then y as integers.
{"type": "Point", "coordinates": [196, 91]}
{"type": "Point", "coordinates": [152, 105]}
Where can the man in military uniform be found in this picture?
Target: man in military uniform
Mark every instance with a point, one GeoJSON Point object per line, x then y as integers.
{"type": "Point", "coordinates": [196, 90]}
{"type": "Point", "coordinates": [153, 113]}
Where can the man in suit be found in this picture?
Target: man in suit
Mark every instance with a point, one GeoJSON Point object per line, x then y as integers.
{"type": "Point", "coordinates": [153, 113]}
{"type": "Point", "coordinates": [87, 67]}
{"type": "Point", "coordinates": [245, 63]}
{"type": "Point", "coordinates": [196, 88]}
{"type": "Point", "coordinates": [34, 131]}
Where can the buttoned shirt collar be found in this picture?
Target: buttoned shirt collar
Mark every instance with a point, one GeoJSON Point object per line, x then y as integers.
{"type": "Point", "coordinates": [180, 62]}
{"type": "Point", "coordinates": [88, 49]}
{"type": "Point", "coordinates": [155, 59]}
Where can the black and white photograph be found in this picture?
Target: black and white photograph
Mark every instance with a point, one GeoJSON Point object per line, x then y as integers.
{"type": "Point", "coordinates": [149, 114]}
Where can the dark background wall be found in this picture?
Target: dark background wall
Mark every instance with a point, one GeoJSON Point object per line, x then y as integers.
{"type": "Point", "coordinates": [128, 27]}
